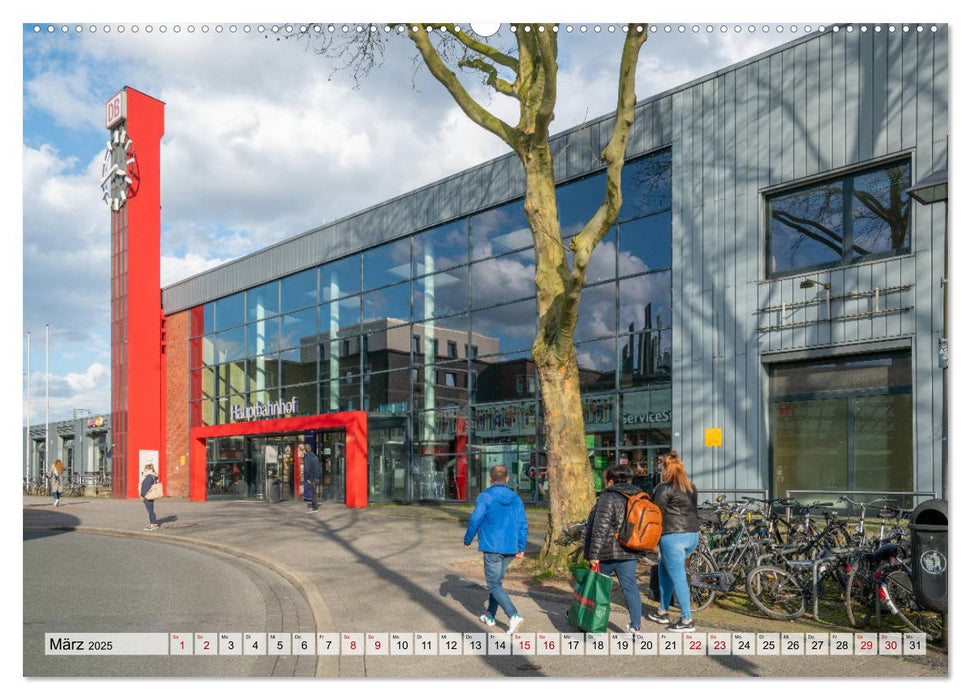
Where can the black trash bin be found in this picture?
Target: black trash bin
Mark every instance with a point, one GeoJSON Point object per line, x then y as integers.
{"type": "Point", "coordinates": [928, 562]}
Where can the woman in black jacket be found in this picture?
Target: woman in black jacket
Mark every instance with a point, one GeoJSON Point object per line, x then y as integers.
{"type": "Point", "coordinates": [601, 547]}
{"type": "Point", "coordinates": [677, 498]}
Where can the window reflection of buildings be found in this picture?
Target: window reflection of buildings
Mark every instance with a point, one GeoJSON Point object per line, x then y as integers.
{"type": "Point", "coordinates": [643, 355]}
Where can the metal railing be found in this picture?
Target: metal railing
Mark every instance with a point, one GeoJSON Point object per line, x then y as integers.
{"type": "Point", "coordinates": [763, 492]}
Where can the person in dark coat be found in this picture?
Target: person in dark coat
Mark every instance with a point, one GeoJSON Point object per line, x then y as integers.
{"type": "Point", "coordinates": [601, 546]}
{"type": "Point", "coordinates": [312, 472]}
{"type": "Point", "coordinates": [149, 478]}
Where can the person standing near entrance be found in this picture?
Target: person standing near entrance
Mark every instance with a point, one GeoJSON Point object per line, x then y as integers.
{"type": "Point", "coordinates": [56, 477]}
{"type": "Point", "coordinates": [312, 473]}
{"type": "Point", "coordinates": [499, 521]}
{"type": "Point", "coordinates": [149, 479]}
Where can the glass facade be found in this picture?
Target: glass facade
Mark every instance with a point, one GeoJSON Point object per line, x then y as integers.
{"type": "Point", "coordinates": [431, 334]}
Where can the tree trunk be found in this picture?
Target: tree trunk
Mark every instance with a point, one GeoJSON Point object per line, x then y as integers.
{"type": "Point", "coordinates": [571, 484]}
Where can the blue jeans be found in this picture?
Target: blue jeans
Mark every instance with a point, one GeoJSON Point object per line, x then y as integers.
{"type": "Point", "coordinates": [495, 568]}
{"type": "Point", "coordinates": [672, 578]}
{"type": "Point", "coordinates": [626, 570]}
{"type": "Point", "coordinates": [150, 507]}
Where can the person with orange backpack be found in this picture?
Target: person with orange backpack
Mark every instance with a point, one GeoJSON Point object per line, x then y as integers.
{"type": "Point", "coordinates": [603, 548]}
{"type": "Point", "coordinates": [677, 498]}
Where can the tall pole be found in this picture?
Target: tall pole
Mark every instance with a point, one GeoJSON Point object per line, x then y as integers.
{"type": "Point", "coordinates": [27, 440]}
{"type": "Point", "coordinates": [47, 396]}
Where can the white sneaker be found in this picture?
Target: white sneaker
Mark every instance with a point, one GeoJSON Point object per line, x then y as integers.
{"type": "Point", "coordinates": [514, 622]}
{"type": "Point", "coordinates": [56, 502]}
{"type": "Point", "coordinates": [490, 621]}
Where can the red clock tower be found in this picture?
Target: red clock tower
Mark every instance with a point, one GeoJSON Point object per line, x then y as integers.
{"type": "Point", "coordinates": [131, 185]}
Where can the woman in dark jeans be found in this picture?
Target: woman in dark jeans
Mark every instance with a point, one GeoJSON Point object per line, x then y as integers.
{"type": "Point", "coordinates": [148, 479]}
{"type": "Point", "coordinates": [677, 498]}
{"type": "Point", "coordinates": [601, 547]}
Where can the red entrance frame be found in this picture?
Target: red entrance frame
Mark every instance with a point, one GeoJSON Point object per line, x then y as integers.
{"type": "Point", "coordinates": [355, 468]}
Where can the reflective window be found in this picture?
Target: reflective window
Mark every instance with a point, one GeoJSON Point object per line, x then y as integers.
{"type": "Point", "coordinates": [578, 201]}
{"type": "Point", "coordinates": [441, 248]}
{"type": "Point", "coordinates": [840, 220]}
{"type": "Point", "coordinates": [228, 346]}
{"type": "Point", "coordinates": [442, 294]}
{"type": "Point", "coordinates": [391, 303]}
{"type": "Point", "coordinates": [503, 279]}
{"type": "Point", "coordinates": [597, 315]}
{"type": "Point", "coordinates": [341, 394]}
{"type": "Point", "coordinates": [645, 302]}
{"type": "Point", "coordinates": [263, 337]}
{"type": "Point", "coordinates": [646, 185]}
{"type": "Point", "coordinates": [603, 262]}
{"type": "Point", "coordinates": [645, 358]}
{"type": "Point", "coordinates": [340, 278]}
{"type": "Point", "coordinates": [264, 373]}
{"type": "Point", "coordinates": [229, 378]}
{"type": "Point", "coordinates": [263, 301]}
{"type": "Point", "coordinates": [207, 351]}
{"type": "Point", "coordinates": [298, 365]}
{"type": "Point", "coordinates": [505, 328]}
{"type": "Point", "coordinates": [500, 230]}
{"type": "Point", "coordinates": [306, 398]}
{"type": "Point", "coordinates": [228, 312]}
{"type": "Point", "coordinates": [597, 362]}
{"type": "Point", "coordinates": [387, 264]}
{"type": "Point", "coordinates": [340, 318]}
{"type": "Point", "coordinates": [504, 378]}
{"type": "Point", "coordinates": [207, 318]}
{"type": "Point", "coordinates": [645, 245]}
{"type": "Point", "coordinates": [299, 290]}
{"type": "Point", "coordinates": [298, 328]}
{"type": "Point", "coordinates": [388, 392]}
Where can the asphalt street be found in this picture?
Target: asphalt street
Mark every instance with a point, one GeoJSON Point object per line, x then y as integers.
{"type": "Point", "coordinates": [378, 569]}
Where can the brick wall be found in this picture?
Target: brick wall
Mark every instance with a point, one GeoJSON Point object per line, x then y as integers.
{"type": "Point", "coordinates": [177, 405]}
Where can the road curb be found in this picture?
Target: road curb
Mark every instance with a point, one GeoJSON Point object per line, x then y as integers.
{"type": "Point", "coordinates": [326, 666]}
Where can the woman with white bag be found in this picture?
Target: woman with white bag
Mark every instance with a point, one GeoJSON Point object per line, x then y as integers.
{"type": "Point", "coordinates": [149, 489]}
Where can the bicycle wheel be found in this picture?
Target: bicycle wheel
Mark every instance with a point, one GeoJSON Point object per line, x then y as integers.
{"type": "Point", "coordinates": [699, 564]}
{"type": "Point", "coordinates": [900, 589]}
{"type": "Point", "coordinates": [860, 593]}
{"type": "Point", "coordinates": [776, 593]}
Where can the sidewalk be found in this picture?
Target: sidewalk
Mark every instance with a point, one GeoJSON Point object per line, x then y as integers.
{"type": "Point", "coordinates": [391, 568]}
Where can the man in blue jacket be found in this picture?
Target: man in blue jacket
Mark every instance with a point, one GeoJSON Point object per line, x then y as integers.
{"type": "Point", "coordinates": [499, 519]}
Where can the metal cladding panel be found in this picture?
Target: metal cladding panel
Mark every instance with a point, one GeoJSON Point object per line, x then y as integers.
{"type": "Point", "coordinates": [838, 100]}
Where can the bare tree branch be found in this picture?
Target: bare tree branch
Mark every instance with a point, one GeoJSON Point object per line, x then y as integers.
{"type": "Point", "coordinates": [495, 55]}
{"type": "Point", "coordinates": [492, 75]}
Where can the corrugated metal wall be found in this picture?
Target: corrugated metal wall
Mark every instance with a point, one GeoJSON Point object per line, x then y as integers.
{"type": "Point", "coordinates": [813, 107]}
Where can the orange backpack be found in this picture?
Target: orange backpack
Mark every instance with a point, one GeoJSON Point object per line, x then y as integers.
{"type": "Point", "coordinates": [641, 529]}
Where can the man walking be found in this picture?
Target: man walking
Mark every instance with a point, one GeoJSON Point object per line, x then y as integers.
{"type": "Point", "coordinates": [311, 473]}
{"type": "Point", "coordinates": [499, 520]}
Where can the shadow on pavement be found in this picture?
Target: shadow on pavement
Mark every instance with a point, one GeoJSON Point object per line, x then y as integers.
{"type": "Point", "coordinates": [471, 595]}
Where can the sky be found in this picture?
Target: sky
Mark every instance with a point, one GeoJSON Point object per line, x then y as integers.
{"type": "Point", "coordinates": [264, 140]}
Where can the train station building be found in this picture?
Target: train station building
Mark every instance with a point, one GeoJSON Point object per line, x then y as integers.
{"type": "Point", "coordinates": [771, 303]}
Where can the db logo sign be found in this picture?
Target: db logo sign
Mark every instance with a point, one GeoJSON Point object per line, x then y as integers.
{"type": "Point", "coordinates": [115, 109]}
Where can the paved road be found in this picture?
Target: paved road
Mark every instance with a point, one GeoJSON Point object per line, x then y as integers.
{"type": "Point", "coordinates": [403, 569]}
{"type": "Point", "coordinates": [94, 583]}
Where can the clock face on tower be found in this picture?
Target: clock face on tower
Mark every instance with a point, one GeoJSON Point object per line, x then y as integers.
{"type": "Point", "coordinates": [119, 173]}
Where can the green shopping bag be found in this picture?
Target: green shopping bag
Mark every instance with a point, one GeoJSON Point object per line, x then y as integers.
{"type": "Point", "coordinates": [591, 600]}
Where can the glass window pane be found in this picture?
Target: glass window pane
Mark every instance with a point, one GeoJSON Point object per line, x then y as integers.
{"type": "Point", "coordinates": [263, 301]}
{"type": "Point", "coordinates": [806, 228]}
{"type": "Point", "coordinates": [299, 365]}
{"type": "Point", "coordinates": [228, 312]}
{"type": "Point", "coordinates": [603, 261]}
{"type": "Point", "coordinates": [597, 316]}
{"type": "Point", "coordinates": [340, 278]}
{"type": "Point", "coordinates": [442, 247]}
{"type": "Point", "coordinates": [388, 392]}
{"type": "Point", "coordinates": [597, 361]}
{"type": "Point", "coordinates": [387, 349]}
{"type": "Point", "coordinates": [504, 328]}
{"type": "Point", "coordinates": [264, 373]}
{"type": "Point", "coordinates": [809, 445]}
{"type": "Point", "coordinates": [340, 393]}
{"type": "Point", "coordinates": [387, 264]}
{"type": "Point", "coordinates": [507, 420]}
{"type": "Point", "coordinates": [498, 280]}
{"type": "Point", "coordinates": [645, 245]}
{"type": "Point", "coordinates": [646, 185]}
{"type": "Point", "coordinates": [340, 318]}
{"type": "Point", "coordinates": [207, 318]}
{"type": "Point", "coordinates": [442, 294]}
{"type": "Point", "coordinates": [500, 230]}
{"type": "Point", "coordinates": [390, 303]}
{"type": "Point", "coordinates": [263, 337]}
{"type": "Point", "coordinates": [299, 290]}
{"type": "Point", "coordinates": [229, 378]}
{"type": "Point", "coordinates": [228, 346]}
{"type": "Point", "coordinates": [298, 328]}
{"type": "Point", "coordinates": [578, 201]}
{"type": "Point", "coordinates": [504, 378]}
{"type": "Point", "coordinates": [881, 211]}
{"type": "Point", "coordinates": [883, 442]}
{"type": "Point", "coordinates": [208, 350]}
{"type": "Point", "coordinates": [304, 396]}
{"type": "Point", "coordinates": [645, 358]}
{"type": "Point", "coordinates": [645, 303]}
